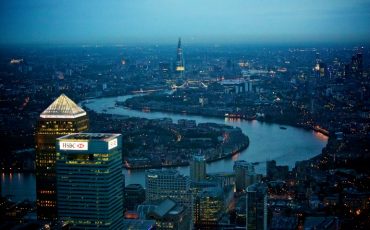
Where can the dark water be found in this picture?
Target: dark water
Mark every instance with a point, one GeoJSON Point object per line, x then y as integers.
{"type": "Point", "coordinates": [19, 186]}
{"type": "Point", "coordinates": [267, 142]}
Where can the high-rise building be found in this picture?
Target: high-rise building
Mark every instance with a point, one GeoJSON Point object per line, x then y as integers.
{"type": "Point", "coordinates": [134, 195]}
{"type": "Point", "coordinates": [165, 68]}
{"type": "Point", "coordinates": [62, 117]}
{"type": "Point", "coordinates": [162, 184]}
{"type": "Point", "coordinates": [244, 175]}
{"type": "Point", "coordinates": [208, 208]}
{"type": "Point", "coordinates": [357, 64]}
{"type": "Point", "coordinates": [90, 180]}
{"type": "Point", "coordinates": [256, 207]}
{"type": "Point", "coordinates": [180, 65]}
{"type": "Point", "coordinates": [198, 168]}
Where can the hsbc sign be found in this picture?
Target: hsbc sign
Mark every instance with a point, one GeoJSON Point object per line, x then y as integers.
{"type": "Point", "coordinates": [75, 145]}
{"type": "Point", "coordinates": [112, 143]}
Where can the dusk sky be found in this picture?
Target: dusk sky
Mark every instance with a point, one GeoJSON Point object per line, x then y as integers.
{"type": "Point", "coordinates": [196, 21]}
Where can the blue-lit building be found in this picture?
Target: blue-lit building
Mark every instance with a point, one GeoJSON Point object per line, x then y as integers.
{"type": "Point", "coordinates": [256, 205]}
{"type": "Point", "coordinates": [90, 181]}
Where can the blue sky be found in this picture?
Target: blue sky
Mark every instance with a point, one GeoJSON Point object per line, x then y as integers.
{"type": "Point", "coordinates": [196, 21]}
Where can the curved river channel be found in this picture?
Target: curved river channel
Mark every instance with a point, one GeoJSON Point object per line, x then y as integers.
{"type": "Point", "coordinates": [267, 142]}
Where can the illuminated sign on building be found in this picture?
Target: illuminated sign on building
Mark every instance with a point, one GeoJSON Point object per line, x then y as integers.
{"type": "Point", "coordinates": [112, 143]}
{"type": "Point", "coordinates": [75, 145]}
{"type": "Point", "coordinates": [153, 176]}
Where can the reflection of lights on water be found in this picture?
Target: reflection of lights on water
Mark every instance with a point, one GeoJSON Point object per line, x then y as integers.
{"type": "Point", "coordinates": [235, 157]}
{"type": "Point", "coordinates": [320, 136]}
{"type": "Point", "coordinates": [358, 212]}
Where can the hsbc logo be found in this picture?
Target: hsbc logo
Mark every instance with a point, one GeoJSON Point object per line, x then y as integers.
{"type": "Point", "coordinates": [112, 143]}
{"type": "Point", "coordinates": [68, 145]}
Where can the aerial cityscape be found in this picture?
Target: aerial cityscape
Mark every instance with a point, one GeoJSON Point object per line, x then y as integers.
{"type": "Point", "coordinates": [185, 115]}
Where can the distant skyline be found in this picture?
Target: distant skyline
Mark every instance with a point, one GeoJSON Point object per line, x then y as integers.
{"type": "Point", "coordinates": [196, 21]}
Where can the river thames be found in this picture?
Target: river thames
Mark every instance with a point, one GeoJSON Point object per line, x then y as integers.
{"type": "Point", "coordinates": [267, 142]}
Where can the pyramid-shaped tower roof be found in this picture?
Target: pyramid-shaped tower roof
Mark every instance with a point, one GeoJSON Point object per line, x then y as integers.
{"type": "Point", "coordinates": [63, 107]}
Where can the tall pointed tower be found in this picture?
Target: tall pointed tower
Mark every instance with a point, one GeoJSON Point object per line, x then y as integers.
{"type": "Point", "coordinates": [180, 66]}
{"type": "Point", "coordinates": [62, 117]}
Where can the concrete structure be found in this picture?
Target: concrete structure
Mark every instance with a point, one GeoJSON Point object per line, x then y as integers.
{"type": "Point", "coordinates": [90, 180]}
{"type": "Point", "coordinates": [62, 117]}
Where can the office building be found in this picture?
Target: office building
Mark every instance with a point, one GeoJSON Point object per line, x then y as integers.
{"type": "Point", "coordinates": [62, 117]}
{"type": "Point", "coordinates": [208, 208]}
{"type": "Point", "coordinates": [274, 172]}
{"type": "Point", "coordinates": [134, 195]}
{"type": "Point", "coordinates": [256, 207]}
{"type": "Point", "coordinates": [162, 184]}
{"type": "Point", "coordinates": [90, 180]}
{"type": "Point", "coordinates": [198, 168]}
{"type": "Point", "coordinates": [244, 175]}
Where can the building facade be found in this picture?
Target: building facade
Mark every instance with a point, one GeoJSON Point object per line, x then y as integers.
{"type": "Point", "coordinates": [90, 180]}
{"type": "Point", "coordinates": [244, 175]}
{"type": "Point", "coordinates": [62, 117]}
{"type": "Point", "coordinates": [208, 208]}
{"type": "Point", "coordinates": [256, 207]}
{"type": "Point", "coordinates": [198, 168]}
{"type": "Point", "coordinates": [162, 184]}
{"type": "Point", "coordinates": [134, 196]}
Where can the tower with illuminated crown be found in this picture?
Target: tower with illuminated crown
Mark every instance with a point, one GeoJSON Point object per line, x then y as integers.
{"type": "Point", "coordinates": [180, 66]}
{"type": "Point", "coordinates": [62, 117]}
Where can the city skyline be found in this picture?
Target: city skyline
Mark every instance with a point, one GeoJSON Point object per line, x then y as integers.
{"type": "Point", "coordinates": [126, 22]}
{"type": "Point", "coordinates": [258, 119]}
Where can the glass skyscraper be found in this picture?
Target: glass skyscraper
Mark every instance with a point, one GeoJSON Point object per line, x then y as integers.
{"type": "Point", "coordinates": [90, 181]}
{"type": "Point", "coordinates": [198, 168]}
{"type": "Point", "coordinates": [62, 117]}
{"type": "Point", "coordinates": [256, 205]}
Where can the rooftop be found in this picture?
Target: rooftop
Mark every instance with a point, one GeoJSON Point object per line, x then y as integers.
{"type": "Point", "coordinates": [164, 207]}
{"type": "Point", "coordinates": [90, 136]}
{"type": "Point", "coordinates": [63, 107]}
{"type": "Point", "coordinates": [199, 157]}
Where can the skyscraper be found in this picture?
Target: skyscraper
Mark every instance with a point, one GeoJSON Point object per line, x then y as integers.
{"type": "Point", "coordinates": [180, 65]}
{"type": "Point", "coordinates": [256, 205]}
{"type": "Point", "coordinates": [62, 117]}
{"type": "Point", "coordinates": [90, 180]}
{"type": "Point", "coordinates": [198, 168]}
{"type": "Point", "coordinates": [244, 175]}
{"type": "Point", "coordinates": [162, 184]}
{"type": "Point", "coordinates": [208, 208]}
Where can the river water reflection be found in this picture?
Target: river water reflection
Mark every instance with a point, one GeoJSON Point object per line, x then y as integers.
{"type": "Point", "coordinates": [267, 142]}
